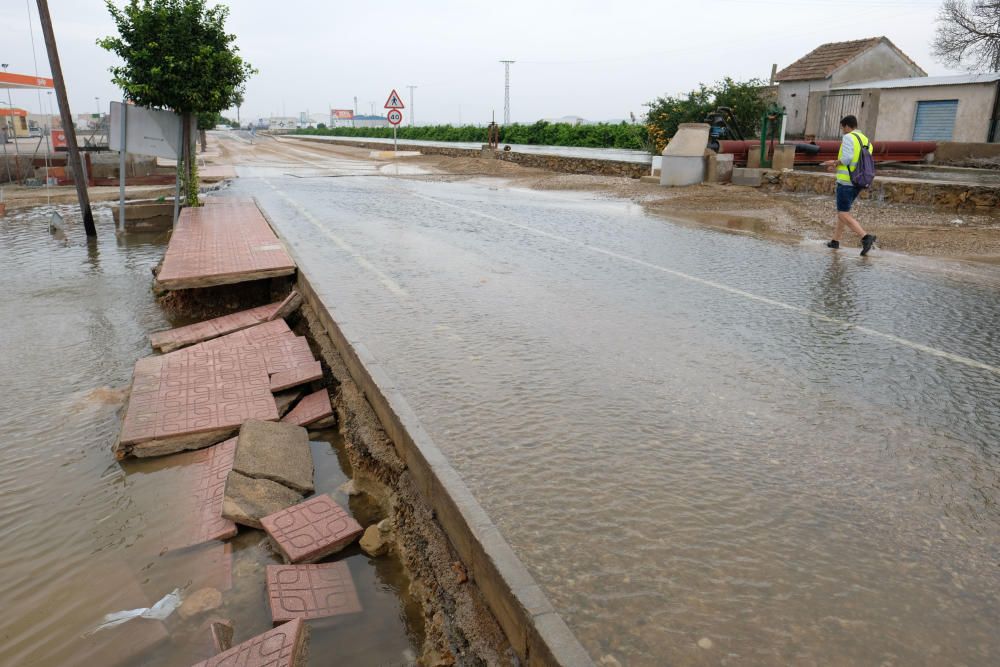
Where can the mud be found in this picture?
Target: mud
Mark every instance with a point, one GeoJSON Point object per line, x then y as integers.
{"type": "Point", "coordinates": [912, 229]}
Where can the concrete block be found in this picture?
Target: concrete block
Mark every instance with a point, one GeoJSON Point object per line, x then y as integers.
{"type": "Point", "coordinates": [690, 140]}
{"type": "Point", "coordinates": [719, 168]}
{"type": "Point", "coordinates": [753, 157]}
{"type": "Point", "coordinates": [747, 176]}
{"type": "Point", "coordinates": [680, 171]}
{"type": "Point", "coordinates": [249, 500]}
{"type": "Point", "coordinates": [650, 179]}
{"type": "Point", "coordinates": [784, 157]}
{"type": "Point", "coordinates": [276, 451]}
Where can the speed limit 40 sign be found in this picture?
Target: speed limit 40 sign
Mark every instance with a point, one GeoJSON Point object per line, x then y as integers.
{"type": "Point", "coordinates": [395, 116]}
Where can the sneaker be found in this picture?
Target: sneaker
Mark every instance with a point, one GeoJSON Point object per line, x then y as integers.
{"type": "Point", "coordinates": [833, 244]}
{"type": "Point", "coordinates": [867, 241]}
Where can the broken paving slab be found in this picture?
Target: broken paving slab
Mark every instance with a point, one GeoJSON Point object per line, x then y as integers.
{"type": "Point", "coordinates": [275, 451]}
{"type": "Point", "coordinates": [174, 339]}
{"type": "Point", "coordinates": [212, 466]}
{"type": "Point", "coordinates": [200, 395]}
{"type": "Point", "coordinates": [284, 646]}
{"type": "Point", "coordinates": [311, 591]}
{"type": "Point", "coordinates": [225, 243]}
{"type": "Point", "coordinates": [286, 399]}
{"type": "Point", "coordinates": [312, 530]}
{"type": "Point", "coordinates": [309, 372]}
{"type": "Point", "coordinates": [247, 500]}
{"type": "Point", "coordinates": [311, 409]}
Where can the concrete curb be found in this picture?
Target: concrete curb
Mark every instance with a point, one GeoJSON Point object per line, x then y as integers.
{"type": "Point", "coordinates": [532, 626]}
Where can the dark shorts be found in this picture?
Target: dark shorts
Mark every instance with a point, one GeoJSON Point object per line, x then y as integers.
{"type": "Point", "coordinates": [846, 194]}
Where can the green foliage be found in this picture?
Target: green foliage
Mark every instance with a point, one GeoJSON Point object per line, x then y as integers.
{"type": "Point", "coordinates": [601, 135]}
{"type": "Point", "coordinates": [747, 99]}
{"type": "Point", "coordinates": [321, 126]}
{"type": "Point", "coordinates": [176, 55]}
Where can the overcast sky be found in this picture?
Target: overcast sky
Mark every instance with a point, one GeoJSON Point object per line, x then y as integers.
{"type": "Point", "coordinates": [596, 59]}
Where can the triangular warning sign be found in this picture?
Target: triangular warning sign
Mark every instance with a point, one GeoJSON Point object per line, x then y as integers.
{"type": "Point", "coordinates": [394, 101]}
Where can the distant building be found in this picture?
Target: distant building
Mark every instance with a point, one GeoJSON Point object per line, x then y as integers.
{"type": "Point", "coordinates": [961, 107]}
{"type": "Point", "coordinates": [282, 123]}
{"type": "Point", "coordinates": [13, 122]}
{"type": "Point", "coordinates": [807, 86]}
{"type": "Point", "coordinates": [371, 121]}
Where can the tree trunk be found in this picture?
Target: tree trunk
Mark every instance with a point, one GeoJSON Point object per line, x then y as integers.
{"type": "Point", "coordinates": [203, 136]}
{"type": "Point", "coordinates": [190, 163]}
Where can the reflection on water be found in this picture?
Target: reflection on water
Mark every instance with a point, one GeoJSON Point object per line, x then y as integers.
{"type": "Point", "coordinates": [694, 476]}
{"type": "Point", "coordinates": [83, 536]}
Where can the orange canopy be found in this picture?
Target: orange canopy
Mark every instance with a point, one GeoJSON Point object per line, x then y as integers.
{"type": "Point", "coordinates": [24, 81]}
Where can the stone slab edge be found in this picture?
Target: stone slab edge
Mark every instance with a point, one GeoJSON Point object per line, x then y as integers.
{"type": "Point", "coordinates": [535, 630]}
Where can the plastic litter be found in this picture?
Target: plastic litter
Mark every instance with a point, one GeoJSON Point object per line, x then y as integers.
{"type": "Point", "coordinates": [159, 612]}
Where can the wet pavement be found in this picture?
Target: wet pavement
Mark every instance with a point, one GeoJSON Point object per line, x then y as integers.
{"type": "Point", "coordinates": [83, 536]}
{"type": "Point", "coordinates": [708, 447]}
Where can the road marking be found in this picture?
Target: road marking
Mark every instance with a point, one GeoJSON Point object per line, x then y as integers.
{"type": "Point", "coordinates": [957, 358]}
{"type": "Point", "coordinates": [386, 281]}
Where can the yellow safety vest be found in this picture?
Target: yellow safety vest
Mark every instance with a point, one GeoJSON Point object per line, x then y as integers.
{"type": "Point", "coordinates": [843, 171]}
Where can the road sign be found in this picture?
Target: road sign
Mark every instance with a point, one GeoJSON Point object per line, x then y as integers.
{"type": "Point", "coordinates": [395, 116]}
{"type": "Point", "coordinates": [394, 101]}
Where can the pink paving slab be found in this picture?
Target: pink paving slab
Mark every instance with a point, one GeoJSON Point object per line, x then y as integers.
{"type": "Point", "coordinates": [173, 339]}
{"type": "Point", "coordinates": [280, 647]}
{"type": "Point", "coordinates": [307, 372]}
{"type": "Point", "coordinates": [310, 409]}
{"type": "Point", "coordinates": [311, 530]}
{"type": "Point", "coordinates": [221, 244]}
{"type": "Point", "coordinates": [197, 391]}
{"type": "Point", "coordinates": [311, 591]}
{"type": "Point", "coordinates": [213, 466]}
{"type": "Point", "coordinates": [213, 387]}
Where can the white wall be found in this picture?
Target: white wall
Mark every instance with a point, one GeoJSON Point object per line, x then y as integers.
{"type": "Point", "coordinates": [876, 64]}
{"type": "Point", "coordinates": [794, 96]}
{"type": "Point", "coordinates": [898, 110]}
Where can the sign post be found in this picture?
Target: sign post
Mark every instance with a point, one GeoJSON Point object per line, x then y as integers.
{"type": "Point", "coordinates": [121, 166]}
{"type": "Point", "coordinates": [395, 115]}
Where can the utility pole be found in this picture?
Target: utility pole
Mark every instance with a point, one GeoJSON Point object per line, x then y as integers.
{"type": "Point", "coordinates": [506, 90]}
{"type": "Point", "coordinates": [411, 104]}
{"type": "Point", "coordinates": [67, 118]}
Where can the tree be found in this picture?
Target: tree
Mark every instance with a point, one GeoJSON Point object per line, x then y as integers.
{"type": "Point", "coordinates": [747, 99]}
{"type": "Point", "coordinates": [177, 55]}
{"type": "Point", "coordinates": [968, 35]}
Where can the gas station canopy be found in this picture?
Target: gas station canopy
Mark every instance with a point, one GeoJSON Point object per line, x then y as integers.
{"type": "Point", "coordinates": [24, 82]}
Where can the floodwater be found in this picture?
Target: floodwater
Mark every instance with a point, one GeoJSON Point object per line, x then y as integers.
{"type": "Point", "coordinates": [708, 447]}
{"type": "Point", "coordinates": [83, 536]}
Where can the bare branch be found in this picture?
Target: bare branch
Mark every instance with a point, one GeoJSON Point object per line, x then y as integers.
{"type": "Point", "coordinates": [968, 34]}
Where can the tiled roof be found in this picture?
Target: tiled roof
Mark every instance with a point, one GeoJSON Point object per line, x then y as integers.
{"type": "Point", "coordinates": [822, 61]}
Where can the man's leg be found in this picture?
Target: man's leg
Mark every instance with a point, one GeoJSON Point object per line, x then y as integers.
{"type": "Point", "coordinates": [838, 229]}
{"type": "Point", "coordinates": [844, 218]}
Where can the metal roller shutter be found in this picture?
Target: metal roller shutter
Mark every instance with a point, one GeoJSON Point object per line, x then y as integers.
{"type": "Point", "coordinates": [935, 120]}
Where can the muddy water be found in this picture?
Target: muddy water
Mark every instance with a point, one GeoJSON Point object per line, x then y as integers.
{"type": "Point", "coordinates": [684, 433]}
{"type": "Point", "coordinates": [80, 535]}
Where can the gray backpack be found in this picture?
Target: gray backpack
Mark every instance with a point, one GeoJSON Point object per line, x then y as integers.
{"type": "Point", "coordinates": [863, 174]}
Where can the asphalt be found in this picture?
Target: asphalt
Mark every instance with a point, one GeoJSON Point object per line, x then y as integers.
{"type": "Point", "coordinates": [705, 446]}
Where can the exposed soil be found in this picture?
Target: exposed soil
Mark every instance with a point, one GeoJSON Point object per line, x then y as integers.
{"type": "Point", "coordinates": [913, 229]}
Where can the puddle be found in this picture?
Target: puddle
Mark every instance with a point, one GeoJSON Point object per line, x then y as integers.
{"type": "Point", "coordinates": [84, 536]}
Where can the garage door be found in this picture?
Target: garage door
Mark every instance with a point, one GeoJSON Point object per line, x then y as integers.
{"type": "Point", "coordinates": [935, 120]}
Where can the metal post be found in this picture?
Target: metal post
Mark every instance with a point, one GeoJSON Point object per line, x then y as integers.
{"type": "Point", "coordinates": [180, 153]}
{"type": "Point", "coordinates": [411, 104]}
{"type": "Point", "coordinates": [395, 146]}
{"type": "Point", "coordinates": [506, 90]}
{"type": "Point", "coordinates": [67, 117]}
{"type": "Point", "coordinates": [13, 128]}
{"type": "Point", "coordinates": [121, 169]}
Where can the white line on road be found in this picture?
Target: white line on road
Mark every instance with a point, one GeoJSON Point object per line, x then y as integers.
{"type": "Point", "coordinates": [959, 359]}
{"type": "Point", "coordinates": [386, 281]}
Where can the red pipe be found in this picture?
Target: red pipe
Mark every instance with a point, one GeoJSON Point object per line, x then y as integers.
{"type": "Point", "coordinates": [883, 151]}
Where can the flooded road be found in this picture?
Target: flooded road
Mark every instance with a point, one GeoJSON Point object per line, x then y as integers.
{"type": "Point", "coordinates": [709, 448]}
{"type": "Point", "coordinates": [83, 536]}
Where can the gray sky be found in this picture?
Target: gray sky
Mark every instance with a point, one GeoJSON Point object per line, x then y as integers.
{"type": "Point", "coordinates": [596, 59]}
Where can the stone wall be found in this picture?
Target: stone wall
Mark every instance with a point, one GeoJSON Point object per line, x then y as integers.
{"type": "Point", "coordinates": [956, 150]}
{"type": "Point", "coordinates": [950, 196]}
{"type": "Point", "coordinates": [571, 165]}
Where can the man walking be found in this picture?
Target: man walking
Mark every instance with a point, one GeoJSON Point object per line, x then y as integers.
{"type": "Point", "coordinates": [847, 161]}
